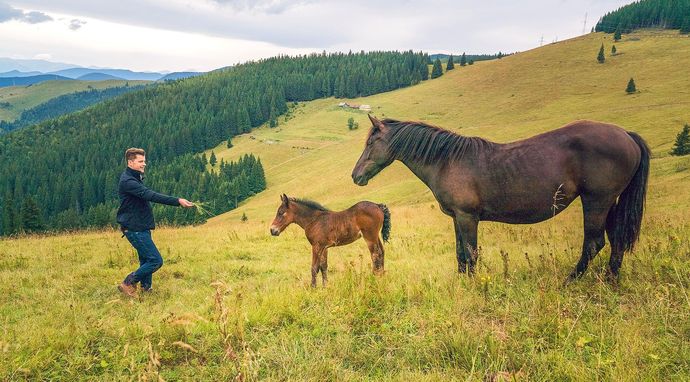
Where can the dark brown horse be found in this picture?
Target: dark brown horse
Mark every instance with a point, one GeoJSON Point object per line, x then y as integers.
{"type": "Point", "coordinates": [526, 181]}
{"type": "Point", "coordinates": [325, 229]}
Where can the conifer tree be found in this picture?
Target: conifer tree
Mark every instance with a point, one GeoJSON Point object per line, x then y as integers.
{"type": "Point", "coordinates": [685, 28]}
{"type": "Point", "coordinates": [617, 35]}
{"type": "Point", "coordinates": [463, 59]}
{"type": "Point", "coordinates": [613, 50]}
{"type": "Point", "coordinates": [10, 222]}
{"type": "Point", "coordinates": [601, 58]}
{"type": "Point", "coordinates": [437, 70]}
{"type": "Point", "coordinates": [213, 159]}
{"type": "Point", "coordinates": [31, 217]}
{"type": "Point", "coordinates": [631, 87]}
{"type": "Point", "coordinates": [450, 65]}
{"type": "Point", "coordinates": [682, 145]}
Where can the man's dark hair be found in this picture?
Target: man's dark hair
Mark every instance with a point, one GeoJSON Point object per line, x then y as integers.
{"type": "Point", "coordinates": [132, 153]}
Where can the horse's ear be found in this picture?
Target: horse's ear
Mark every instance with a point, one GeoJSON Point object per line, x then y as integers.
{"type": "Point", "coordinates": [375, 122]}
{"type": "Point", "coordinates": [284, 199]}
{"type": "Point", "coordinates": [378, 125]}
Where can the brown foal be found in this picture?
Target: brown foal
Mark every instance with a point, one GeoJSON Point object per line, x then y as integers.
{"type": "Point", "coordinates": [325, 229]}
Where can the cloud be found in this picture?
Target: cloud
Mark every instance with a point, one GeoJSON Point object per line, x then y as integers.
{"type": "Point", "coordinates": [36, 17]}
{"type": "Point", "coordinates": [438, 25]}
{"type": "Point", "coordinates": [8, 13]}
{"type": "Point", "coordinates": [263, 6]}
{"type": "Point", "coordinates": [76, 24]}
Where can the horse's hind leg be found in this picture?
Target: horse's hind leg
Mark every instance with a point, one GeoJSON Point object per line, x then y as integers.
{"type": "Point", "coordinates": [316, 251]}
{"type": "Point", "coordinates": [616, 258]}
{"type": "Point", "coordinates": [323, 266]}
{"type": "Point", "coordinates": [595, 212]}
{"type": "Point", "coordinates": [376, 249]}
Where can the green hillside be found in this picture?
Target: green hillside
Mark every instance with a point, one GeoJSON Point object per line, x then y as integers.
{"type": "Point", "coordinates": [234, 303]}
{"type": "Point", "coordinates": [21, 98]}
{"type": "Point", "coordinates": [502, 100]}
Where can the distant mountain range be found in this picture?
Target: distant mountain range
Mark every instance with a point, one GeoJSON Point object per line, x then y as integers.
{"type": "Point", "coordinates": [77, 73]}
{"type": "Point", "coordinates": [15, 72]}
{"type": "Point", "coordinates": [30, 80]}
{"type": "Point", "coordinates": [98, 77]}
{"type": "Point", "coordinates": [42, 66]}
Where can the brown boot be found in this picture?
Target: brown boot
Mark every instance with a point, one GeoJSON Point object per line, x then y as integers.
{"type": "Point", "coordinates": [128, 289]}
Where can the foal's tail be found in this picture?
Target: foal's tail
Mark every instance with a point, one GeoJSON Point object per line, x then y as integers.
{"type": "Point", "coordinates": [627, 213]}
{"type": "Point", "coordinates": [386, 229]}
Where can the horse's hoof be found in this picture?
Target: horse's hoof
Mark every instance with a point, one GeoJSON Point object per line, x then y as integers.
{"type": "Point", "coordinates": [612, 279]}
{"type": "Point", "coordinates": [570, 279]}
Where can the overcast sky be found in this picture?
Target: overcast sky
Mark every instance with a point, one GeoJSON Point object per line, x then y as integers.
{"type": "Point", "coordinates": [202, 35]}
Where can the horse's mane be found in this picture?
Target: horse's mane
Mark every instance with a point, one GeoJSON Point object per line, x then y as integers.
{"type": "Point", "coordinates": [429, 144]}
{"type": "Point", "coordinates": [310, 203]}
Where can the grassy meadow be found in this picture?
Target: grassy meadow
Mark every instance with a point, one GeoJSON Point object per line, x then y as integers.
{"type": "Point", "coordinates": [234, 303]}
{"type": "Point", "coordinates": [22, 98]}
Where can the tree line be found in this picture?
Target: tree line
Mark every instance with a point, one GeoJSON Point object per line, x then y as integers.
{"type": "Point", "coordinates": [185, 176]}
{"type": "Point", "coordinates": [647, 14]}
{"type": "Point", "coordinates": [69, 166]}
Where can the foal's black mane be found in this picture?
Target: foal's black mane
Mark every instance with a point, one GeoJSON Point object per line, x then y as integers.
{"type": "Point", "coordinates": [310, 203]}
{"type": "Point", "coordinates": [429, 144]}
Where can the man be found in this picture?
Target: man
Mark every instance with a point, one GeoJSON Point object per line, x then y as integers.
{"type": "Point", "coordinates": [136, 220]}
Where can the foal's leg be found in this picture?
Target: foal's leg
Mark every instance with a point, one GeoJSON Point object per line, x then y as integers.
{"type": "Point", "coordinates": [465, 242]}
{"type": "Point", "coordinates": [323, 266]}
{"type": "Point", "coordinates": [316, 251]}
{"type": "Point", "coordinates": [595, 212]}
{"type": "Point", "coordinates": [376, 250]}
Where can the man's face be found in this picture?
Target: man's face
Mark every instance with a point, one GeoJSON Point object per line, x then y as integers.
{"type": "Point", "coordinates": [138, 163]}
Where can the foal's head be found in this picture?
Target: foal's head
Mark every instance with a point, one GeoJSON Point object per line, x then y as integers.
{"type": "Point", "coordinates": [375, 156]}
{"type": "Point", "coordinates": [284, 216]}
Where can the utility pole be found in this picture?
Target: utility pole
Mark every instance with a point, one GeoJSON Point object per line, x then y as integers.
{"type": "Point", "coordinates": [541, 41]}
{"type": "Point", "coordinates": [584, 26]}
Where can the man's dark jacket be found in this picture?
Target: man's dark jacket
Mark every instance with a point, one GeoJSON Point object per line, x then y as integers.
{"type": "Point", "coordinates": [135, 212]}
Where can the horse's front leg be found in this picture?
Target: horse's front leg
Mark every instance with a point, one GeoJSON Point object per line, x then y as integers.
{"type": "Point", "coordinates": [465, 242]}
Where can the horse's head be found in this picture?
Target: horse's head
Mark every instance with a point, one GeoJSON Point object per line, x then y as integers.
{"type": "Point", "coordinates": [375, 156]}
{"type": "Point", "coordinates": [284, 216]}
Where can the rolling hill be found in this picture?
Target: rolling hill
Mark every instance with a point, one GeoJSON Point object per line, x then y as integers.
{"type": "Point", "coordinates": [77, 73]}
{"type": "Point", "coordinates": [98, 77]}
{"type": "Point", "coordinates": [30, 80]}
{"type": "Point", "coordinates": [20, 98]}
{"type": "Point", "coordinates": [17, 73]}
{"type": "Point", "coordinates": [234, 303]}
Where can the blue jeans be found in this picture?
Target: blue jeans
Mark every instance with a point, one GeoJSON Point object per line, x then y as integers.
{"type": "Point", "coordinates": [150, 259]}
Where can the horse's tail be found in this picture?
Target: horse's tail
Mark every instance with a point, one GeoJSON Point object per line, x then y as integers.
{"type": "Point", "coordinates": [386, 228]}
{"type": "Point", "coordinates": [627, 213]}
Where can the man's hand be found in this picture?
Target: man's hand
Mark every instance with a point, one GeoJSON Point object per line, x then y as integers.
{"type": "Point", "coordinates": [186, 203]}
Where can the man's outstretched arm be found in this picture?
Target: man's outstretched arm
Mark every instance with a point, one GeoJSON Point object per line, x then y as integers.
{"type": "Point", "coordinates": [139, 190]}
